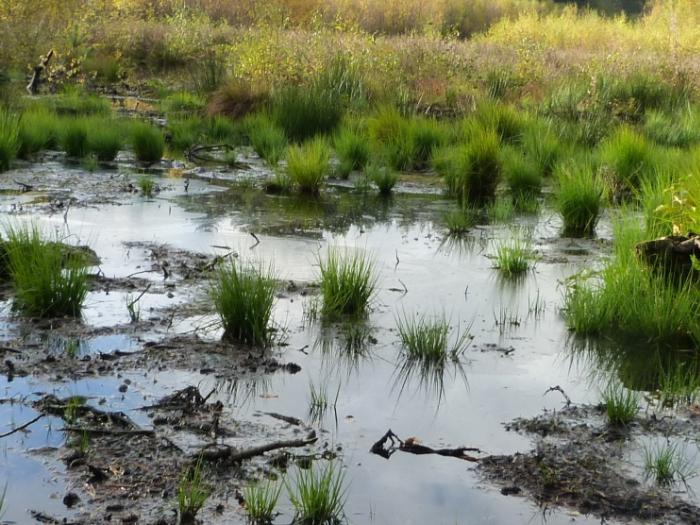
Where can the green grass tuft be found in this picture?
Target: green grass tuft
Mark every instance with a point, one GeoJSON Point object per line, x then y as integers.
{"type": "Point", "coordinates": [38, 131]}
{"type": "Point", "coordinates": [268, 139]}
{"type": "Point", "coordinates": [319, 495]}
{"type": "Point", "coordinates": [307, 165]}
{"type": "Point", "coordinates": [352, 150]}
{"type": "Point", "coordinates": [148, 142]}
{"type": "Point", "coordinates": [383, 177]}
{"type": "Point", "coordinates": [428, 340]}
{"type": "Point", "coordinates": [261, 502]}
{"type": "Point", "coordinates": [307, 111]}
{"type": "Point", "coordinates": [243, 296]}
{"type": "Point", "coordinates": [667, 464]}
{"type": "Point", "coordinates": [515, 256]}
{"type": "Point", "coordinates": [620, 404]}
{"type": "Point", "coordinates": [146, 185]}
{"type": "Point", "coordinates": [104, 139]}
{"type": "Point", "coordinates": [192, 493]}
{"type": "Point", "coordinates": [579, 198]}
{"type": "Point", "coordinates": [629, 157]}
{"type": "Point", "coordinates": [9, 138]}
{"type": "Point", "coordinates": [348, 283]}
{"type": "Point", "coordinates": [74, 137]}
{"type": "Point", "coordinates": [48, 279]}
{"type": "Point", "coordinates": [522, 175]}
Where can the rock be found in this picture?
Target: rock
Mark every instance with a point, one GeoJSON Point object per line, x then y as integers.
{"type": "Point", "coordinates": [71, 499]}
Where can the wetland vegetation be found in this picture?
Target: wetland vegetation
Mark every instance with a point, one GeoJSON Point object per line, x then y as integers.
{"type": "Point", "coordinates": [317, 179]}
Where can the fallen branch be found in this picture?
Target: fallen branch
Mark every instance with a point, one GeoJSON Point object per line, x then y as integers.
{"type": "Point", "coordinates": [227, 453]}
{"type": "Point", "coordinates": [22, 427]}
{"type": "Point", "coordinates": [390, 443]}
{"type": "Point", "coordinates": [33, 85]}
{"type": "Point", "coordinates": [287, 419]}
{"type": "Point", "coordinates": [110, 431]}
{"type": "Point", "coordinates": [561, 391]}
{"type": "Point", "coordinates": [25, 187]}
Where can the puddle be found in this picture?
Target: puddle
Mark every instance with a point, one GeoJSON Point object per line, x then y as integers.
{"type": "Point", "coordinates": [520, 345]}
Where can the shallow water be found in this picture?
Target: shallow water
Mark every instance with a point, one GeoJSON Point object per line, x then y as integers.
{"type": "Point", "coordinates": [420, 272]}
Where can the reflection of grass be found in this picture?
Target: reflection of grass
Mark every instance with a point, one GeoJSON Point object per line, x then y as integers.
{"type": "Point", "coordinates": [345, 345]}
{"type": "Point", "coordinates": [319, 495]}
{"type": "Point", "coordinates": [667, 464]}
{"type": "Point", "coordinates": [620, 404]}
{"type": "Point", "coordinates": [320, 402]}
{"type": "Point", "coordinates": [261, 501]}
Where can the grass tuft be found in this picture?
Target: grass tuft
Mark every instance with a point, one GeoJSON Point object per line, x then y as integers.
{"type": "Point", "coordinates": [348, 283]}
{"type": "Point", "coordinates": [38, 131]}
{"type": "Point", "coordinates": [191, 493]}
{"type": "Point", "coordinates": [48, 279]}
{"type": "Point", "coordinates": [307, 165]}
{"type": "Point", "coordinates": [667, 464]}
{"type": "Point", "coordinates": [515, 256]}
{"type": "Point", "coordinates": [148, 142]}
{"type": "Point", "coordinates": [9, 138]}
{"type": "Point", "coordinates": [319, 495]}
{"type": "Point", "coordinates": [620, 404]}
{"type": "Point", "coordinates": [243, 297]}
{"type": "Point", "coordinates": [104, 140]}
{"type": "Point", "coordinates": [579, 199]}
{"type": "Point", "coordinates": [268, 139]}
{"type": "Point", "coordinates": [383, 177]}
{"type": "Point", "coordinates": [261, 502]}
{"type": "Point", "coordinates": [427, 339]}
{"type": "Point", "coordinates": [352, 150]}
{"type": "Point", "coordinates": [74, 137]}
{"type": "Point", "coordinates": [306, 111]}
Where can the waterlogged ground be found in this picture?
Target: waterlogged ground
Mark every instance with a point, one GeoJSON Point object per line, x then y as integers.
{"type": "Point", "coordinates": [165, 248]}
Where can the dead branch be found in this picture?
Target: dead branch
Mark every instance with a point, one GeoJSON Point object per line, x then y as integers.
{"type": "Point", "coordinates": [33, 85]}
{"type": "Point", "coordinates": [561, 391]}
{"type": "Point", "coordinates": [391, 443]}
{"type": "Point", "coordinates": [110, 431]}
{"type": "Point", "coordinates": [287, 419]}
{"type": "Point", "coordinates": [25, 187]}
{"type": "Point", "coordinates": [22, 427]}
{"type": "Point", "coordinates": [229, 454]}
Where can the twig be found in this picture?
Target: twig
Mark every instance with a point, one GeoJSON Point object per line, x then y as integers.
{"type": "Point", "coordinates": [132, 303]}
{"type": "Point", "coordinates": [22, 427]}
{"type": "Point", "coordinates": [405, 289]}
{"type": "Point", "coordinates": [25, 187]}
{"type": "Point", "coordinates": [397, 260]}
{"type": "Point", "coordinates": [110, 432]}
{"type": "Point", "coordinates": [561, 391]}
{"type": "Point", "coordinates": [257, 241]}
{"type": "Point", "coordinates": [287, 419]}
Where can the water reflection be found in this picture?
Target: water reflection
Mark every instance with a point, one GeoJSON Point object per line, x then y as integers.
{"type": "Point", "coordinates": [345, 346]}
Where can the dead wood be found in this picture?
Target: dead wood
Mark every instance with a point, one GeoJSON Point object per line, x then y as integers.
{"type": "Point", "coordinates": [231, 455]}
{"type": "Point", "coordinates": [391, 443]}
{"type": "Point", "coordinates": [672, 255]}
{"type": "Point", "coordinates": [22, 427]}
{"type": "Point", "coordinates": [287, 419]}
{"type": "Point", "coordinates": [33, 86]}
{"type": "Point", "coordinates": [110, 431]}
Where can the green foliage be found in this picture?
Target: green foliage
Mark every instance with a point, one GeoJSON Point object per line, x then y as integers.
{"type": "Point", "coordinates": [306, 111]}
{"type": "Point", "coordinates": [514, 256]}
{"type": "Point", "coordinates": [628, 299]}
{"type": "Point", "coordinates": [460, 221]}
{"type": "Point", "coordinates": [9, 138]}
{"type": "Point", "coordinates": [680, 129]}
{"type": "Point", "coordinates": [352, 149]}
{"type": "Point", "coordinates": [38, 131]}
{"type": "Point", "coordinates": [505, 121]}
{"type": "Point", "coordinates": [522, 174]}
{"type": "Point", "coordinates": [319, 495]}
{"type": "Point", "coordinates": [146, 185]}
{"type": "Point", "coordinates": [185, 132]}
{"type": "Point", "coordinates": [182, 102]}
{"type": "Point", "coordinates": [307, 165]}
{"type": "Point", "coordinates": [74, 137]}
{"type": "Point", "coordinates": [148, 142]}
{"type": "Point", "coordinates": [427, 339]}
{"type": "Point", "coordinates": [76, 102]}
{"type": "Point", "coordinates": [667, 464]}
{"type": "Point", "coordinates": [261, 502]}
{"type": "Point", "coordinates": [48, 279]}
{"type": "Point", "coordinates": [383, 177]}
{"type": "Point", "coordinates": [541, 146]}
{"type": "Point", "coordinates": [348, 283]}
{"type": "Point", "coordinates": [620, 404]}
{"type": "Point", "coordinates": [629, 157]}
{"type": "Point", "coordinates": [192, 493]}
{"type": "Point", "coordinates": [243, 297]}
{"type": "Point", "coordinates": [425, 135]}
{"type": "Point", "coordinates": [104, 139]}
{"type": "Point", "coordinates": [268, 140]}
{"type": "Point", "coordinates": [579, 198]}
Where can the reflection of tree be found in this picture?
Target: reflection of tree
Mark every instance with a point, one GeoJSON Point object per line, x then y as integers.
{"type": "Point", "coordinates": [335, 210]}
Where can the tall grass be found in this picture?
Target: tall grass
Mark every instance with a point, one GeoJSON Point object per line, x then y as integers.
{"type": "Point", "coordinates": [38, 131]}
{"type": "Point", "coordinates": [307, 165]}
{"type": "Point", "coordinates": [348, 283]}
{"type": "Point", "coordinates": [425, 135]}
{"type": "Point", "coordinates": [306, 111]}
{"type": "Point", "coordinates": [147, 142]}
{"type": "Point", "coordinates": [48, 279]}
{"type": "Point", "coordinates": [505, 121]}
{"type": "Point", "coordinates": [620, 404]}
{"type": "Point", "coordinates": [104, 139]}
{"type": "Point", "coordinates": [629, 157]}
{"type": "Point", "coordinates": [243, 297]}
{"type": "Point", "coordinates": [628, 299]}
{"type": "Point", "coordinates": [9, 138]}
{"type": "Point", "coordinates": [680, 129]}
{"type": "Point", "coordinates": [579, 198]}
{"type": "Point", "coordinates": [522, 174]}
{"type": "Point", "coordinates": [261, 502]}
{"type": "Point", "coordinates": [352, 149]}
{"type": "Point", "coordinates": [74, 137]}
{"type": "Point", "coordinates": [268, 139]}
{"type": "Point", "coordinates": [318, 495]}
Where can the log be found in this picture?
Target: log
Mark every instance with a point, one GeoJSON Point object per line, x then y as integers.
{"type": "Point", "coordinates": [230, 454]}
{"type": "Point", "coordinates": [33, 86]}
{"type": "Point", "coordinates": [672, 255]}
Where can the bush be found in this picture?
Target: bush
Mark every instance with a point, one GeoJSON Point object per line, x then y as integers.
{"type": "Point", "coordinates": [579, 198]}
{"type": "Point", "coordinates": [9, 138]}
{"type": "Point", "coordinates": [243, 298]}
{"type": "Point", "coordinates": [306, 111]}
{"type": "Point", "coordinates": [307, 165]}
{"type": "Point", "coordinates": [148, 142]}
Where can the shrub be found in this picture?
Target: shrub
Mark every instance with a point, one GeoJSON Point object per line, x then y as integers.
{"type": "Point", "coordinates": [48, 279]}
{"type": "Point", "coordinates": [148, 142]}
{"type": "Point", "coordinates": [307, 165]}
{"type": "Point", "coordinates": [306, 111]}
{"type": "Point", "coordinates": [579, 198]}
{"type": "Point", "coordinates": [9, 138]}
{"type": "Point", "coordinates": [348, 283]}
{"type": "Point", "coordinates": [243, 297]}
